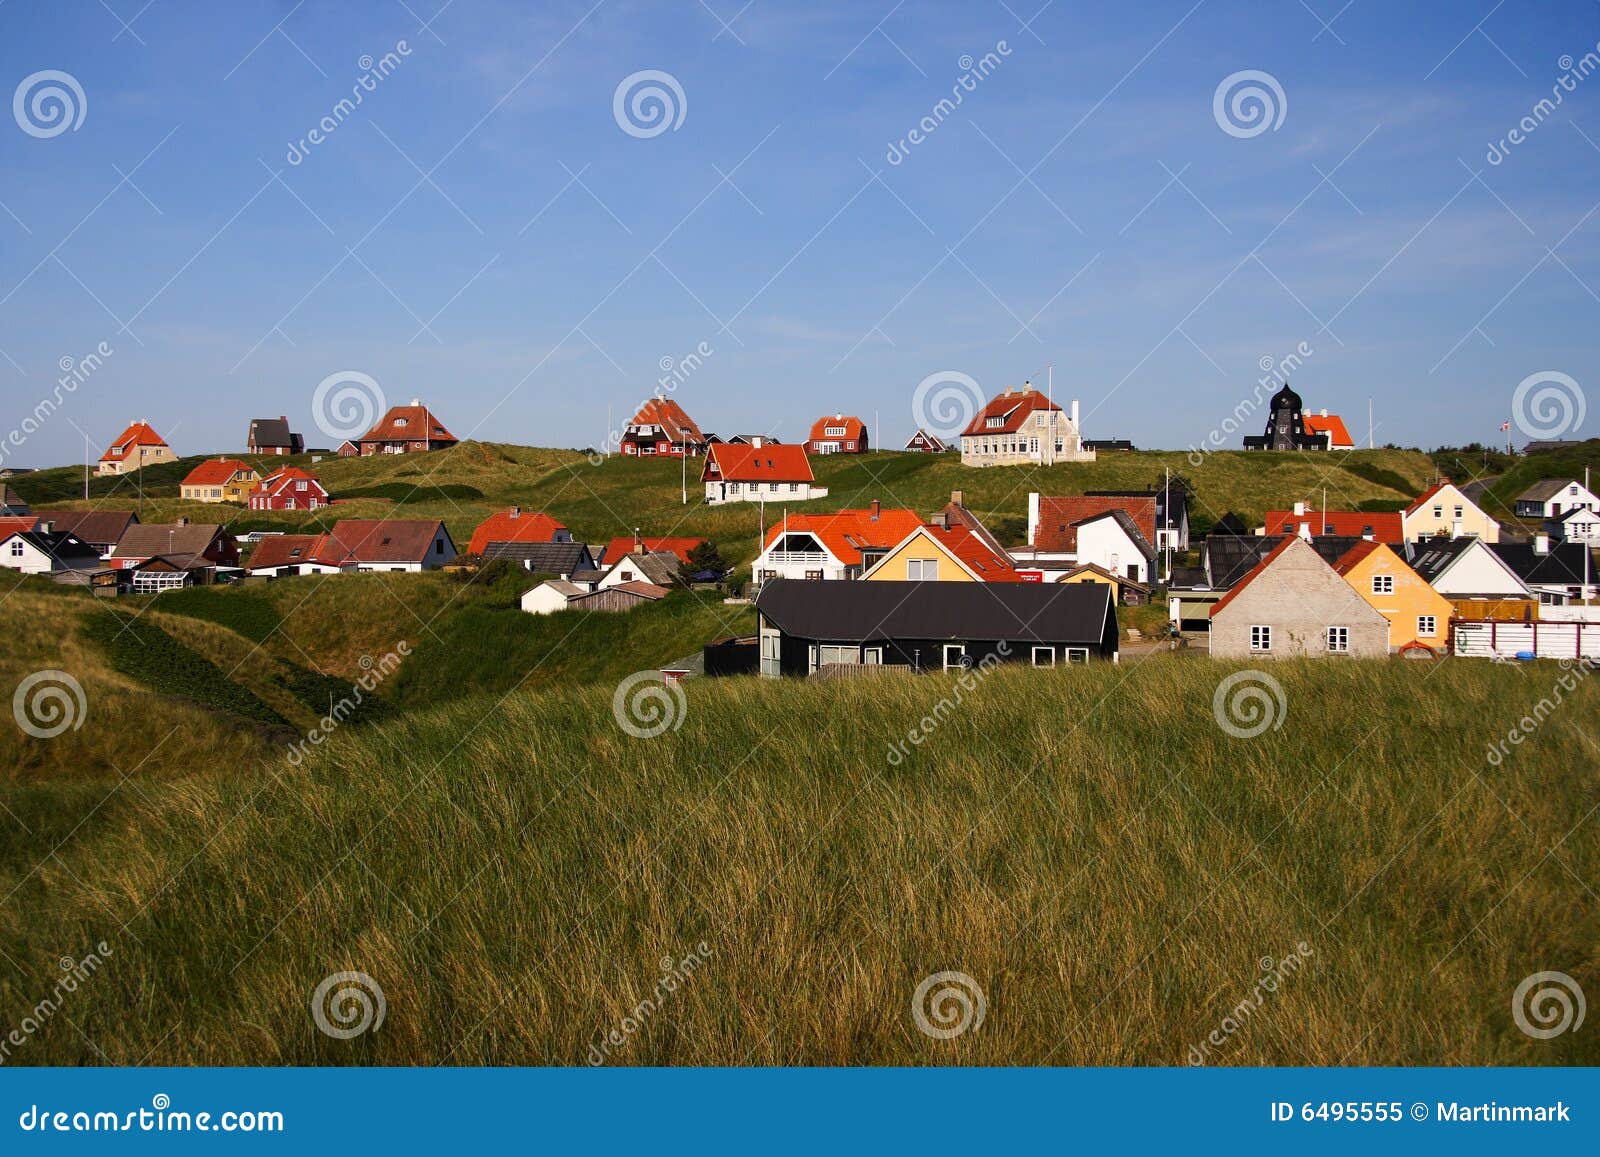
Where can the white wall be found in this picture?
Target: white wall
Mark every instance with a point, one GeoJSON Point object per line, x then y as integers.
{"type": "Point", "coordinates": [1102, 540]}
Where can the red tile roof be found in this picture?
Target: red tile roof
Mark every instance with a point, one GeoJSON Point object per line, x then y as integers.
{"type": "Point", "coordinates": [1424, 496]}
{"type": "Point", "coordinates": [976, 554]}
{"type": "Point", "coordinates": [514, 526]}
{"type": "Point", "coordinates": [1350, 558]}
{"type": "Point", "coordinates": [1056, 530]}
{"type": "Point", "coordinates": [1385, 526]}
{"type": "Point", "coordinates": [771, 463]}
{"type": "Point", "coordinates": [1251, 575]}
{"type": "Point", "coordinates": [1330, 424]}
{"type": "Point", "coordinates": [216, 472]}
{"type": "Point", "coordinates": [137, 434]}
{"type": "Point", "coordinates": [666, 413]}
{"type": "Point", "coordinates": [854, 428]}
{"type": "Point", "coordinates": [384, 539]}
{"type": "Point", "coordinates": [845, 532]}
{"type": "Point", "coordinates": [10, 524]}
{"type": "Point", "coordinates": [292, 549]}
{"type": "Point", "coordinates": [419, 424]}
{"type": "Point", "coordinates": [1014, 406]}
{"type": "Point", "coordinates": [623, 545]}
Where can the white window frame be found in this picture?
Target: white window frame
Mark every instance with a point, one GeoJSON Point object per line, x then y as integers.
{"type": "Point", "coordinates": [1049, 653]}
{"type": "Point", "coordinates": [1260, 638]}
{"type": "Point", "coordinates": [1077, 654]}
{"type": "Point", "coordinates": [1338, 640]}
{"type": "Point", "coordinates": [917, 569]}
{"type": "Point", "coordinates": [961, 653]}
{"type": "Point", "coordinates": [1431, 631]}
{"type": "Point", "coordinates": [1383, 584]}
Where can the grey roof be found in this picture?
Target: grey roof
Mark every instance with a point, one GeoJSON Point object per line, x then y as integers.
{"type": "Point", "coordinates": [1431, 557]}
{"type": "Point", "coordinates": [658, 566]}
{"type": "Point", "coordinates": [9, 498]}
{"type": "Point", "coordinates": [1071, 613]}
{"type": "Point", "coordinates": [1544, 489]}
{"type": "Point", "coordinates": [1129, 527]}
{"type": "Point", "coordinates": [566, 589]}
{"type": "Point", "coordinates": [1187, 578]}
{"type": "Point", "coordinates": [1229, 557]}
{"type": "Point", "coordinates": [166, 538]}
{"type": "Point", "coordinates": [544, 557]}
{"type": "Point", "coordinates": [1561, 566]}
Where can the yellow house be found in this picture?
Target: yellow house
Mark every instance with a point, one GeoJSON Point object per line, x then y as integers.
{"type": "Point", "coordinates": [1444, 509]}
{"type": "Point", "coordinates": [942, 554]}
{"type": "Point", "coordinates": [1416, 612]}
{"type": "Point", "coordinates": [220, 480]}
{"type": "Point", "coordinates": [1124, 591]}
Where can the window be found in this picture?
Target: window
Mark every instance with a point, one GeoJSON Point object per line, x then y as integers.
{"type": "Point", "coordinates": [830, 655]}
{"type": "Point", "coordinates": [1260, 638]}
{"type": "Point", "coordinates": [834, 431]}
{"type": "Point", "coordinates": [814, 575]}
{"type": "Point", "coordinates": [1438, 512]}
{"type": "Point", "coordinates": [1338, 639]}
{"type": "Point", "coordinates": [922, 569]}
{"type": "Point", "coordinates": [1427, 628]}
{"type": "Point", "coordinates": [300, 485]}
{"type": "Point", "coordinates": [399, 422]}
{"type": "Point", "coordinates": [1383, 584]}
{"type": "Point", "coordinates": [794, 488]}
{"type": "Point", "coordinates": [995, 423]}
{"type": "Point", "coordinates": [16, 549]}
{"type": "Point", "coordinates": [1044, 656]}
{"type": "Point", "coordinates": [1460, 510]}
{"type": "Point", "coordinates": [1077, 654]}
{"type": "Point", "coordinates": [955, 655]}
{"type": "Point", "coordinates": [627, 576]}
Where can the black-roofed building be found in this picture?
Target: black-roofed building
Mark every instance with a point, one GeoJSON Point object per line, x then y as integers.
{"type": "Point", "coordinates": [1286, 426]}
{"type": "Point", "coordinates": [272, 436]}
{"type": "Point", "coordinates": [561, 558]}
{"type": "Point", "coordinates": [1552, 571]}
{"type": "Point", "coordinates": [807, 626]}
{"type": "Point", "coordinates": [46, 552]}
{"type": "Point", "coordinates": [1229, 557]}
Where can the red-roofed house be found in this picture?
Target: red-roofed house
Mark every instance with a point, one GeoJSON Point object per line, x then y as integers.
{"type": "Point", "coordinates": [138, 446]}
{"type": "Point", "coordinates": [1293, 604]}
{"type": "Point", "coordinates": [662, 428]}
{"type": "Point", "coordinates": [943, 554]}
{"type": "Point", "coordinates": [840, 545]}
{"type": "Point", "coordinates": [840, 434]}
{"type": "Point", "coordinates": [357, 544]}
{"type": "Point", "coordinates": [1380, 526]}
{"type": "Point", "coordinates": [405, 430]}
{"type": "Point", "coordinates": [638, 544]}
{"type": "Point", "coordinates": [769, 473]}
{"type": "Point", "coordinates": [1021, 428]}
{"type": "Point", "coordinates": [220, 480]}
{"type": "Point", "coordinates": [923, 442]}
{"type": "Point", "coordinates": [290, 488]}
{"type": "Point", "coordinates": [516, 525]}
{"type": "Point", "coordinates": [1330, 428]}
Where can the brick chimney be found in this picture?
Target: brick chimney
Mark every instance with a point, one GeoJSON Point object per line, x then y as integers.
{"type": "Point", "coordinates": [638, 543]}
{"type": "Point", "coordinates": [875, 510]}
{"type": "Point", "coordinates": [957, 498]}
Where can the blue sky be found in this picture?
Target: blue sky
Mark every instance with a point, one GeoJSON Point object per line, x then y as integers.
{"type": "Point", "coordinates": [482, 233]}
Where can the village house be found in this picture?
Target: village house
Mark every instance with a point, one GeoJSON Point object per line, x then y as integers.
{"type": "Point", "coordinates": [840, 434]}
{"type": "Point", "coordinates": [1551, 498]}
{"type": "Point", "coordinates": [404, 430]}
{"type": "Point", "coordinates": [1121, 535]}
{"type": "Point", "coordinates": [621, 545]}
{"type": "Point", "coordinates": [661, 428]}
{"type": "Point", "coordinates": [272, 436]}
{"type": "Point", "coordinates": [1293, 604]}
{"type": "Point", "coordinates": [45, 550]}
{"type": "Point", "coordinates": [1444, 511]}
{"type": "Point", "coordinates": [220, 480]}
{"type": "Point", "coordinates": [516, 526]}
{"type": "Point", "coordinates": [808, 627]}
{"type": "Point", "coordinates": [943, 554]}
{"type": "Point", "coordinates": [166, 555]}
{"type": "Point", "coordinates": [1578, 525]}
{"type": "Point", "coordinates": [101, 529]}
{"type": "Point", "coordinates": [1023, 428]}
{"type": "Point", "coordinates": [137, 447]}
{"type": "Point", "coordinates": [560, 595]}
{"type": "Point", "coordinates": [559, 558]}
{"type": "Point", "coordinates": [659, 567]}
{"type": "Point", "coordinates": [1379, 526]}
{"type": "Point", "coordinates": [1125, 591]}
{"type": "Point", "coordinates": [1553, 572]}
{"type": "Point", "coordinates": [840, 545]}
{"type": "Point", "coordinates": [923, 442]}
{"type": "Point", "coordinates": [1286, 426]}
{"type": "Point", "coordinates": [357, 544]}
{"type": "Point", "coordinates": [770, 473]}
{"type": "Point", "coordinates": [1416, 613]}
{"type": "Point", "coordinates": [1465, 570]}
{"type": "Point", "coordinates": [289, 488]}
{"type": "Point", "coordinates": [1170, 524]}
{"type": "Point", "coordinates": [1331, 429]}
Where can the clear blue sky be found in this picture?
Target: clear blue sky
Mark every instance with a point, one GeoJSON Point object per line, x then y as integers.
{"type": "Point", "coordinates": [550, 261]}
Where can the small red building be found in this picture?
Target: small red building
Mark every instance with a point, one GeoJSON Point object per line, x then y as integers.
{"type": "Point", "coordinates": [839, 434]}
{"type": "Point", "coordinates": [289, 489]}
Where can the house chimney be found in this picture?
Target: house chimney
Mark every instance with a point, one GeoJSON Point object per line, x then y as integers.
{"type": "Point", "coordinates": [875, 510]}
{"type": "Point", "coordinates": [180, 522]}
{"type": "Point", "coordinates": [1027, 387]}
{"type": "Point", "coordinates": [1299, 509]}
{"type": "Point", "coordinates": [1074, 413]}
{"type": "Point", "coordinates": [44, 527]}
{"type": "Point", "coordinates": [638, 543]}
{"type": "Point", "coordinates": [838, 417]}
{"type": "Point", "coordinates": [957, 498]}
{"type": "Point", "coordinates": [1324, 411]}
{"type": "Point", "coordinates": [1009, 392]}
{"type": "Point", "coordinates": [1541, 543]}
{"type": "Point", "coordinates": [516, 512]}
{"type": "Point", "coordinates": [416, 401]}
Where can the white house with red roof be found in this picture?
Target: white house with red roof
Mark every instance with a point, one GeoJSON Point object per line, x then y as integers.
{"type": "Point", "coordinates": [290, 488]}
{"type": "Point", "coordinates": [768, 473]}
{"type": "Point", "coordinates": [137, 446]}
{"type": "Point", "coordinates": [840, 545]}
{"type": "Point", "coordinates": [838, 434]}
{"type": "Point", "coordinates": [1023, 428]}
{"type": "Point", "coordinates": [661, 428]}
{"type": "Point", "coordinates": [357, 544]}
{"type": "Point", "coordinates": [405, 430]}
{"type": "Point", "coordinates": [1331, 429]}
{"type": "Point", "coordinates": [1379, 526]}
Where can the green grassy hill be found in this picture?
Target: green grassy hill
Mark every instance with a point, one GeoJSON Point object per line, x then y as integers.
{"type": "Point", "coordinates": [1112, 869]}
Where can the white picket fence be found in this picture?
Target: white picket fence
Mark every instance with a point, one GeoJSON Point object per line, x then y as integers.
{"type": "Point", "coordinates": [1546, 640]}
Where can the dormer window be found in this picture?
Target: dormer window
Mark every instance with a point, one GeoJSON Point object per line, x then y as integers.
{"type": "Point", "coordinates": [995, 423]}
{"type": "Point", "coordinates": [400, 422]}
{"type": "Point", "coordinates": [834, 431]}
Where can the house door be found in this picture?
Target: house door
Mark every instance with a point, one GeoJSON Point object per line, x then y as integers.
{"type": "Point", "coordinates": [872, 656]}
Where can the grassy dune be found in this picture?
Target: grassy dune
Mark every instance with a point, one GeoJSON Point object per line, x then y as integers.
{"type": "Point", "coordinates": [1087, 844]}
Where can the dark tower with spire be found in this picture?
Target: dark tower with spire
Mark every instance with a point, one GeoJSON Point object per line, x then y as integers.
{"type": "Point", "coordinates": [1286, 426]}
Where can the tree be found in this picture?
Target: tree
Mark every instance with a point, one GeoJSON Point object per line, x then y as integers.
{"type": "Point", "coordinates": [704, 557]}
